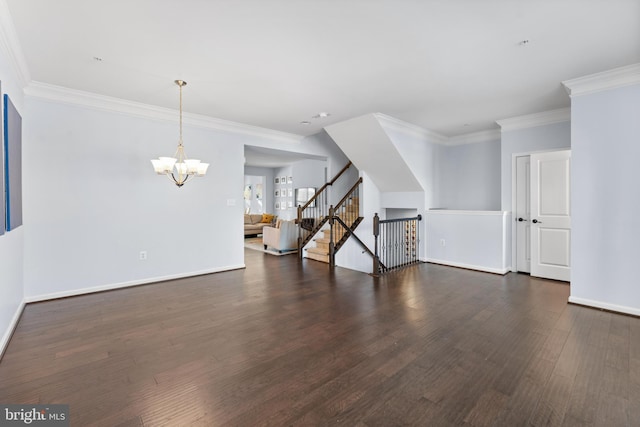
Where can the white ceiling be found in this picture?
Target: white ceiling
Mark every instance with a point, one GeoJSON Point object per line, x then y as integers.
{"type": "Point", "coordinates": [451, 66]}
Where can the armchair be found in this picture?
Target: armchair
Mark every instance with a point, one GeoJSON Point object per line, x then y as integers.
{"type": "Point", "coordinates": [283, 238]}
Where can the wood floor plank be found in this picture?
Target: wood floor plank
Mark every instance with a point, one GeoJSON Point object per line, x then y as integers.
{"type": "Point", "coordinates": [487, 408]}
{"type": "Point", "coordinates": [552, 406]}
{"type": "Point", "coordinates": [284, 342]}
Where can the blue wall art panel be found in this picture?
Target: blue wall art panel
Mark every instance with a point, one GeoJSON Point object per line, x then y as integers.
{"type": "Point", "coordinates": [2, 203]}
{"type": "Point", "coordinates": [12, 164]}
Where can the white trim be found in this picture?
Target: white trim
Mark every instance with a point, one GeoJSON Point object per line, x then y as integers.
{"type": "Point", "coordinates": [536, 119]}
{"type": "Point", "coordinates": [460, 212]}
{"type": "Point", "coordinates": [501, 271]}
{"type": "Point", "coordinates": [12, 327]}
{"type": "Point", "coordinates": [411, 129]}
{"type": "Point", "coordinates": [610, 79]}
{"type": "Point", "coordinates": [10, 44]}
{"type": "Point", "coordinates": [417, 131]}
{"type": "Point", "coordinates": [475, 137]}
{"type": "Point", "coordinates": [605, 305]}
{"type": "Point", "coordinates": [514, 240]}
{"type": "Point", "coordinates": [75, 292]}
{"type": "Point", "coordinates": [106, 103]}
{"type": "Point", "coordinates": [514, 195]}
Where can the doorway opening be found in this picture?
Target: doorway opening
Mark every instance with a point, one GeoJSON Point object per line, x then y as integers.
{"type": "Point", "coordinates": [541, 207]}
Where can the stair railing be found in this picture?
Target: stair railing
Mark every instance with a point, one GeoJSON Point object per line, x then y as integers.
{"type": "Point", "coordinates": [315, 212]}
{"type": "Point", "coordinates": [397, 243]}
{"type": "Point", "coordinates": [343, 220]}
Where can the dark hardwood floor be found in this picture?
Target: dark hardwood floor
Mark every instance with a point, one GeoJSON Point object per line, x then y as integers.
{"type": "Point", "coordinates": [282, 343]}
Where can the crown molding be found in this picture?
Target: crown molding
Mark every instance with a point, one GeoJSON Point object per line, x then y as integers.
{"type": "Point", "coordinates": [95, 101]}
{"type": "Point", "coordinates": [536, 119]}
{"type": "Point", "coordinates": [408, 128]}
{"type": "Point", "coordinates": [11, 46]}
{"type": "Point", "coordinates": [475, 137]}
{"type": "Point", "coordinates": [610, 79]}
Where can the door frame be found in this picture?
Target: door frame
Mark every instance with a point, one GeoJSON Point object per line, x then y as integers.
{"type": "Point", "coordinates": [516, 225]}
{"type": "Point", "coordinates": [514, 241]}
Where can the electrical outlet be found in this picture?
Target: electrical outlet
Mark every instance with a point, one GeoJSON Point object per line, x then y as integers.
{"type": "Point", "coordinates": [442, 242]}
{"type": "Point", "coordinates": [143, 255]}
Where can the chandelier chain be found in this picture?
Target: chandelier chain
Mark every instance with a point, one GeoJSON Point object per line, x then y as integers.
{"type": "Point", "coordinates": [180, 84]}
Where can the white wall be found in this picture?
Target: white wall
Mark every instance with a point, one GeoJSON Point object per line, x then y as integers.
{"type": "Point", "coordinates": [398, 213]}
{"type": "Point", "coordinates": [424, 157]}
{"type": "Point", "coordinates": [545, 137]}
{"type": "Point", "coordinates": [478, 240]}
{"type": "Point", "coordinates": [11, 243]}
{"type": "Point", "coordinates": [351, 255]}
{"type": "Point", "coordinates": [92, 201]}
{"type": "Point", "coordinates": [305, 173]}
{"type": "Point", "coordinates": [282, 172]}
{"type": "Point", "coordinates": [471, 176]}
{"type": "Point", "coordinates": [605, 204]}
{"type": "Point", "coordinates": [538, 138]}
{"type": "Point", "coordinates": [368, 145]}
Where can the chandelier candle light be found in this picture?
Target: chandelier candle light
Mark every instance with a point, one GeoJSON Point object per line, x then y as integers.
{"type": "Point", "coordinates": [179, 168]}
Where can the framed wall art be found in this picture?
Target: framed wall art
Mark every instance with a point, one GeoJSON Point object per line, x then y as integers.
{"type": "Point", "coordinates": [12, 151]}
{"type": "Point", "coordinates": [2, 201]}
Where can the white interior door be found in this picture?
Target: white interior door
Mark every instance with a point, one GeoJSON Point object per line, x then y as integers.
{"type": "Point", "coordinates": [523, 214]}
{"type": "Point", "coordinates": [551, 215]}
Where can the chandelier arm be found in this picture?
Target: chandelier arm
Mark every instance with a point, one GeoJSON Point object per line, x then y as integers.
{"type": "Point", "coordinates": [172, 178]}
{"type": "Point", "coordinates": [177, 182]}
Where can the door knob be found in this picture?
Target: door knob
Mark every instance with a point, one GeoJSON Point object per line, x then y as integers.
{"type": "Point", "coordinates": [535, 221]}
{"type": "Point", "coordinates": [521, 219]}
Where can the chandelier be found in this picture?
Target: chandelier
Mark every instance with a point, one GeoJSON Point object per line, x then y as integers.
{"type": "Point", "coordinates": [179, 168]}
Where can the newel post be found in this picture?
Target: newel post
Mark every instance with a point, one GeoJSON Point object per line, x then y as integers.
{"type": "Point", "coordinates": [332, 247]}
{"type": "Point", "coordinates": [299, 224]}
{"type": "Point", "coordinates": [376, 233]}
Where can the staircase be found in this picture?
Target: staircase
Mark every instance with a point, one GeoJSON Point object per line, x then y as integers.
{"type": "Point", "coordinates": [350, 215]}
{"type": "Point", "coordinates": [317, 218]}
{"type": "Point", "coordinates": [321, 251]}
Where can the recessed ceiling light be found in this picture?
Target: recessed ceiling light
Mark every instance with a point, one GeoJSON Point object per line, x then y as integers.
{"type": "Point", "coordinates": [305, 122]}
{"type": "Point", "coordinates": [321, 115]}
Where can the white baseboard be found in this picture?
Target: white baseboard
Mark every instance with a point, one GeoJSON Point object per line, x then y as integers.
{"type": "Point", "coordinates": [605, 306]}
{"type": "Point", "coordinates": [75, 292]}
{"type": "Point", "coordinates": [501, 271]}
{"type": "Point", "coordinates": [12, 327]}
